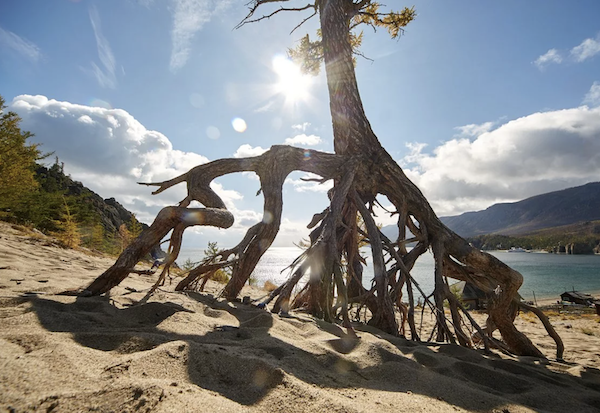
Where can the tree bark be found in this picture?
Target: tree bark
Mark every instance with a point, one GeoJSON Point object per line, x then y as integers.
{"type": "Point", "coordinates": [169, 218]}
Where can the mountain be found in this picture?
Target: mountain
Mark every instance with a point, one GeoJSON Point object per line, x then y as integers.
{"type": "Point", "coordinates": [553, 209]}
{"type": "Point", "coordinates": [391, 231]}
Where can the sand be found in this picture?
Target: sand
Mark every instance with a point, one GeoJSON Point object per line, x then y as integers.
{"type": "Point", "coordinates": [192, 352]}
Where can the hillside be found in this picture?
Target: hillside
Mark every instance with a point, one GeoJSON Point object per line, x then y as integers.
{"type": "Point", "coordinates": [569, 206]}
{"type": "Point", "coordinates": [579, 238]}
{"type": "Point", "coordinates": [60, 205]}
{"type": "Point", "coordinates": [108, 212]}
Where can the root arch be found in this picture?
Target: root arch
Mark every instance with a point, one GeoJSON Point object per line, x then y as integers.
{"type": "Point", "coordinates": [333, 259]}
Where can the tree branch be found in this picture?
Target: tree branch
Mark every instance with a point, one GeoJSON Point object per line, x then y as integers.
{"type": "Point", "coordinates": [259, 3]}
{"type": "Point", "coordinates": [304, 21]}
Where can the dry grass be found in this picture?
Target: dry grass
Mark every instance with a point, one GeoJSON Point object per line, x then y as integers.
{"type": "Point", "coordinates": [562, 314]}
{"type": "Point", "coordinates": [588, 331]}
{"type": "Point", "coordinates": [552, 313]}
{"type": "Point", "coordinates": [220, 276]}
{"type": "Point", "coordinates": [528, 316]}
{"type": "Point", "coordinates": [269, 286]}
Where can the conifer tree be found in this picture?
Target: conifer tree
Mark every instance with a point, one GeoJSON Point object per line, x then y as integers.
{"type": "Point", "coordinates": [17, 163]}
{"type": "Point", "coordinates": [68, 233]}
{"type": "Point", "coordinates": [135, 227]}
{"type": "Point", "coordinates": [96, 237]}
{"type": "Point", "coordinates": [124, 236]}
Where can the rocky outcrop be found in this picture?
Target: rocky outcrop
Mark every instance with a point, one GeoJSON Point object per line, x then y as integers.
{"type": "Point", "coordinates": [109, 212]}
{"type": "Point", "coordinates": [575, 248]}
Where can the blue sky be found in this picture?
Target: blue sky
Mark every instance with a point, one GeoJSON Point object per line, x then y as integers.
{"type": "Point", "coordinates": [480, 102]}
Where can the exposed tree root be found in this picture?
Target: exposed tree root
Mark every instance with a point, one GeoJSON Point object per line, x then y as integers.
{"type": "Point", "coordinates": [169, 218]}
{"type": "Point", "coordinates": [560, 347]}
{"type": "Point", "coordinates": [332, 259]}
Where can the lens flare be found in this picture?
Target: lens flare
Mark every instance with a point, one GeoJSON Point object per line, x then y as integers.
{"type": "Point", "coordinates": [239, 125]}
{"type": "Point", "coordinates": [197, 100]}
{"type": "Point", "coordinates": [267, 217]}
{"type": "Point", "coordinates": [213, 132]}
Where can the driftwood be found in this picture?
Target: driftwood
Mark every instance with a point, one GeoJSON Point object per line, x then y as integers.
{"type": "Point", "coordinates": [361, 170]}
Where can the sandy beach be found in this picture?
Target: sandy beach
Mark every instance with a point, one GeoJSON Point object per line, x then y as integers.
{"type": "Point", "coordinates": [194, 352]}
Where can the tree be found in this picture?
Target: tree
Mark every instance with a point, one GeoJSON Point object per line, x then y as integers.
{"type": "Point", "coordinates": [361, 170]}
{"type": "Point", "coordinates": [17, 163]}
{"type": "Point", "coordinates": [96, 238]}
{"type": "Point", "coordinates": [135, 227]}
{"type": "Point", "coordinates": [215, 273]}
{"type": "Point", "coordinates": [125, 236]}
{"type": "Point", "coordinates": [69, 234]}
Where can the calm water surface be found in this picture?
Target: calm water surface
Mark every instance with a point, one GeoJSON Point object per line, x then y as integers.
{"type": "Point", "coordinates": [548, 275]}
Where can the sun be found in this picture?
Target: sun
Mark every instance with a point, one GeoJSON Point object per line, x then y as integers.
{"type": "Point", "coordinates": [292, 83]}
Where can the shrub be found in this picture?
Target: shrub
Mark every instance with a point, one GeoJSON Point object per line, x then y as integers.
{"type": "Point", "coordinates": [269, 286]}
{"type": "Point", "coordinates": [220, 276]}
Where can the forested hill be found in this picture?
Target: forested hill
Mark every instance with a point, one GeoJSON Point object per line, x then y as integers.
{"type": "Point", "coordinates": [72, 212]}
{"type": "Point", "coordinates": [569, 206]}
{"type": "Point", "coordinates": [90, 207]}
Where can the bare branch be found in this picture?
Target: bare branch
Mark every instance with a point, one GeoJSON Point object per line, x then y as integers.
{"type": "Point", "coordinates": [304, 21]}
{"type": "Point", "coordinates": [268, 16]}
{"type": "Point", "coordinates": [321, 180]}
{"type": "Point", "coordinates": [357, 53]}
{"type": "Point", "coordinates": [361, 4]}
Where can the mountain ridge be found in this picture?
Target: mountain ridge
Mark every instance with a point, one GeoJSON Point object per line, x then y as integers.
{"type": "Point", "coordinates": [552, 209]}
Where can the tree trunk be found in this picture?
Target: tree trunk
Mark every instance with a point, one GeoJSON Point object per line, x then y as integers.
{"type": "Point", "coordinates": [378, 173]}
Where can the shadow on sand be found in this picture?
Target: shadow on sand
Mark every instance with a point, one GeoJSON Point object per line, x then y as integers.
{"type": "Point", "coordinates": [244, 362]}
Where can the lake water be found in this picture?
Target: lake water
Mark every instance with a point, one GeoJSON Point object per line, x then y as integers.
{"type": "Point", "coordinates": [548, 275]}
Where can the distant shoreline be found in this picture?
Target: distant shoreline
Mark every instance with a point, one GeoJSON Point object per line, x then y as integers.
{"type": "Point", "coordinates": [279, 258]}
{"type": "Point", "coordinates": [539, 252]}
{"type": "Point", "coordinates": [543, 301]}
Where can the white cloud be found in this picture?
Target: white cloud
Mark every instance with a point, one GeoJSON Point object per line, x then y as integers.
{"type": "Point", "coordinates": [303, 139]}
{"type": "Point", "coordinates": [415, 150]}
{"type": "Point", "coordinates": [587, 49]}
{"type": "Point", "coordinates": [551, 56]}
{"type": "Point", "coordinates": [265, 108]}
{"type": "Point", "coordinates": [302, 185]}
{"type": "Point", "coordinates": [301, 127]}
{"type": "Point", "coordinates": [189, 16]}
{"type": "Point", "coordinates": [109, 151]}
{"type": "Point", "coordinates": [474, 130]}
{"type": "Point", "coordinates": [106, 76]}
{"type": "Point", "coordinates": [85, 119]}
{"type": "Point", "coordinates": [290, 232]}
{"type": "Point", "coordinates": [531, 155]}
{"type": "Point", "coordinates": [22, 46]}
{"type": "Point", "coordinates": [228, 195]}
{"type": "Point", "coordinates": [246, 151]}
{"type": "Point", "coordinates": [593, 96]}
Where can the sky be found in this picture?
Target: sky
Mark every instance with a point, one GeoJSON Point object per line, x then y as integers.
{"type": "Point", "coordinates": [480, 102]}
